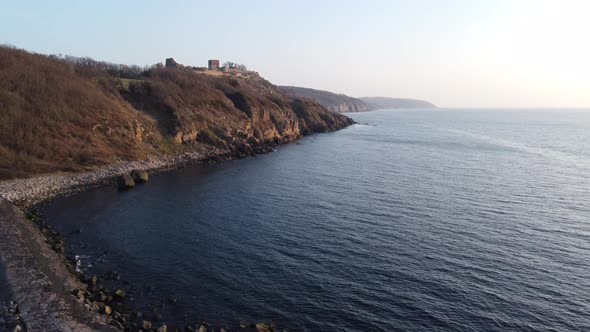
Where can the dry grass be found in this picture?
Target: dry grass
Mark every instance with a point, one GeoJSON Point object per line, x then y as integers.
{"type": "Point", "coordinates": [54, 120]}
{"type": "Point", "coordinates": [60, 116]}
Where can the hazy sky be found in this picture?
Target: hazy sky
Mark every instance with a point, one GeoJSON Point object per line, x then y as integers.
{"type": "Point", "coordinates": [452, 53]}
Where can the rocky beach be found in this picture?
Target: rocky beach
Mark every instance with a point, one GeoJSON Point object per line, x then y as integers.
{"type": "Point", "coordinates": [41, 288]}
{"type": "Point", "coordinates": [26, 193]}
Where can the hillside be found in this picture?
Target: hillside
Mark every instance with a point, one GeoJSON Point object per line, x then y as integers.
{"type": "Point", "coordinates": [375, 103]}
{"type": "Point", "coordinates": [74, 114]}
{"type": "Point", "coordinates": [338, 103]}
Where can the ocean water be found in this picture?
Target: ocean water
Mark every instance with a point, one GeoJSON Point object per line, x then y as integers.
{"type": "Point", "coordinates": [409, 221]}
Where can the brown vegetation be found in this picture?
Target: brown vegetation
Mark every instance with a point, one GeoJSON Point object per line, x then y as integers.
{"type": "Point", "coordinates": [71, 114]}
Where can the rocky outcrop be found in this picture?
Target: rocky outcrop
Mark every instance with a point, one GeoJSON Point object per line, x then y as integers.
{"type": "Point", "coordinates": [125, 181]}
{"type": "Point", "coordinates": [139, 176]}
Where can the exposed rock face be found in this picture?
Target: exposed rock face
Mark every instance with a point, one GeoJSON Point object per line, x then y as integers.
{"type": "Point", "coordinates": [338, 103]}
{"type": "Point", "coordinates": [125, 181]}
{"type": "Point", "coordinates": [139, 176]}
{"type": "Point", "coordinates": [234, 113]}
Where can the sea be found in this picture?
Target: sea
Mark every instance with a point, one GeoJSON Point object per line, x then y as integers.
{"type": "Point", "coordinates": [410, 220]}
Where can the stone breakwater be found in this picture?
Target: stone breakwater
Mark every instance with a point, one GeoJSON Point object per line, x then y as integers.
{"type": "Point", "coordinates": [37, 281]}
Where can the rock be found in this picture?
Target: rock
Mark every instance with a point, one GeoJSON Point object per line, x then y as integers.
{"type": "Point", "coordinates": [146, 325]}
{"type": "Point", "coordinates": [163, 328]}
{"type": "Point", "coordinates": [122, 319]}
{"type": "Point", "coordinates": [125, 181]}
{"type": "Point", "coordinates": [261, 327]}
{"type": "Point", "coordinates": [111, 275]}
{"type": "Point", "coordinates": [117, 324]}
{"type": "Point", "coordinates": [107, 310]}
{"type": "Point", "coordinates": [80, 294]}
{"type": "Point", "coordinates": [120, 294]}
{"type": "Point", "coordinates": [18, 328]}
{"type": "Point", "coordinates": [156, 315]}
{"type": "Point", "coordinates": [139, 176]}
{"type": "Point", "coordinates": [202, 328]}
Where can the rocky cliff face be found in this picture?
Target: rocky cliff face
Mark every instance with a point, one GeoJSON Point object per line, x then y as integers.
{"type": "Point", "coordinates": [63, 116]}
{"type": "Point", "coordinates": [337, 103]}
{"type": "Point", "coordinates": [229, 112]}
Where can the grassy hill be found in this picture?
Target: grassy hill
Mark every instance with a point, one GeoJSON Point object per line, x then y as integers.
{"type": "Point", "coordinates": [73, 114]}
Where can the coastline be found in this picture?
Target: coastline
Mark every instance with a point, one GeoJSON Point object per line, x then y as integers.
{"type": "Point", "coordinates": [27, 193]}
{"type": "Point", "coordinates": [28, 249]}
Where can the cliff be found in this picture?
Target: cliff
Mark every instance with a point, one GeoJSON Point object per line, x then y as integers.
{"type": "Point", "coordinates": [375, 103]}
{"type": "Point", "coordinates": [338, 103]}
{"type": "Point", "coordinates": [76, 114]}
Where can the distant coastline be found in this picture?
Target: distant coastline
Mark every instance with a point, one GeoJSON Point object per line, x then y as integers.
{"type": "Point", "coordinates": [340, 103]}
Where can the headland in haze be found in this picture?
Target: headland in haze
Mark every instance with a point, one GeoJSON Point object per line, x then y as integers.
{"type": "Point", "coordinates": [341, 103]}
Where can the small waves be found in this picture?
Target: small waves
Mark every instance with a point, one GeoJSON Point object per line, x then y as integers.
{"type": "Point", "coordinates": [572, 160]}
{"type": "Point", "coordinates": [400, 224]}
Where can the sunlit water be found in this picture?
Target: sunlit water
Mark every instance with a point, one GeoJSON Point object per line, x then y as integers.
{"type": "Point", "coordinates": [412, 220]}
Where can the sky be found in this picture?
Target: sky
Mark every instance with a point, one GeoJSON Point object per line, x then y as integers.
{"type": "Point", "coordinates": [453, 53]}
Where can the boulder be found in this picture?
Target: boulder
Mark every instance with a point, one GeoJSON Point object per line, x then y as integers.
{"type": "Point", "coordinates": [156, 315]}
{"type": "Point", "coordinates": [139, 176]}
{"type": "Point", "coordinates": [120, 294]}
{"type": "Point", "coordinates": [125, 181]}
{"type": "Point", "coordinates": [146, 325]}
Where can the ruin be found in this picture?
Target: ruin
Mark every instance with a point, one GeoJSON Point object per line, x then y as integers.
{"type": "Point", "coordinates": [170, 63]}
{"type": "Point", "coordinates": [213, 65]}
